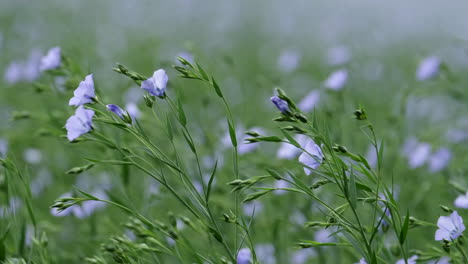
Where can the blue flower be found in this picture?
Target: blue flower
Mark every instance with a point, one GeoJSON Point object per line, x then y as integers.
{"type": "Point", "coordinates": [116, 110]}
{"type": "Point", "coordinates": [312, 157]}
{"type": "Point", "coordinates": [450, 227]}
{"type": "Point", "coordinates": [156, 85]}
{"type": "Point", "coordinates": [244, 256]}
{"type": "Point", "coordinates": [280, 104]}
{"type": "Point", "coordinates": [428, 68]}
{"type": "Point", "coordinates": [52, 60]}
{"type": "Point", "coordinates": [84, 94]}
{"type": "Point", "coordinates": [80, 123]}
{"type": "Point", "coordinates": [337, 80]}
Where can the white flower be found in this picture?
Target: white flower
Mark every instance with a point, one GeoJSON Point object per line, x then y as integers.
{"type": "Point", "coordinates": [337, 80]}
{"type": "Point", "coordinates": [411, 260]}
{"type": "Point", "coordinates": [84, 94]}
{"type": "Point", "coordinates": [338, 55]}
{"type": "Point", "coordinates": [51, 60]}
{"type": "Point", "coordinates": [440, 160]}
{"type": "Point", "coordinates": [428, 68]}
{"type": "Point", "coordinates": [156, 85]}
{"type": "Point", "coordinates": [244, 256]}
{"type": "Point", "coordinates": [289, 60]}
{"type": "Point", "coordinates": [450, 227]}
{"type": "Point", "coordinates": [462, 201]}
{"type": "Point", "coordinates": [310, 100]}
{"type": "Point", "coordinates": [312, 157]}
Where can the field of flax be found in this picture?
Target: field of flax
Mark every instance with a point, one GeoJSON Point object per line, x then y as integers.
{"type": "Point", "coordinates": [233, 132]}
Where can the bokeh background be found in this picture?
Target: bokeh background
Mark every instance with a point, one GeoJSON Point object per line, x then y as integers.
{"type": "Point", "coordinates": [251, 47]}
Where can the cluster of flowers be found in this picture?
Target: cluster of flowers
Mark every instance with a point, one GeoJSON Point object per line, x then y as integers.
{"type": "Point", "coordinates": [81, 122]}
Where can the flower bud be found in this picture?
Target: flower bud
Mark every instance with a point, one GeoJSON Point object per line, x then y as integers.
{"type": "Point", "coordinates": [360, 114]}
{"type": "Point", "coordinates": [446, 209]}
{"type": "Point", "coordinates": [295, 129]}
{"type": "Point", "coordinates": [280, 104]}
{"type": "Point", "coordinates": [149, 100]}
{"type": "Point", "coordinates": [340, 149]}
{"type": "Point", "coordinates": [301, 117]}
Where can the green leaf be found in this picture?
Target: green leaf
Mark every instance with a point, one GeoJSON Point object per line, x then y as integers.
{"type": "Point", "coordinates": [404, 229]}
{"type": "Point", "coordinates": [182, 118]}
{"type": "Point", "coordinates": [202, 72]}
{"type": "Point", "coordinates": [189, 142]}
{"type": "Point", "coordinates": [112, 162]}
{"type": "Point", "coordinates": [210, 182]}
{"type": "Point", "coordinates": [256, 195]}
{"type": "Point", "coordinates": [2, 251]}
{"type": "Point", "coordinates": [352, 190]}
{"type": "Point", "coordinates": [381, 152]}
{"type": "Point", "coordinates": [274, 174]}
{"type": "Point", "coordinates": [216, 87]}
{"type": "Point", "coordinates": [77, 170]}
{"type": "Point", "coordinates": [216, 234]}
{"type": "Point", "coordinates": [290, 139]}
{"type": "Point", "coordinates": [89, 196]}
{"type": "Point", "coordinates": [170, 133]}
{"type": "Point", "coordinates": [309, 244]}
{"type": "Point", "coordinates": [264, 139]}
{"type": "Point", "coordinates": [364, 161]}
{"type": "Point", "coordinates": [232, 134]}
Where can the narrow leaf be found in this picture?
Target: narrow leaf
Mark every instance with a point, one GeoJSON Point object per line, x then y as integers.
{"type": "Point", "coordinates": [210, 182]}
{"type": "Point", "coordinates": [216, 87]}
{"type": "Point", "coordinates": [232, 134]}
{"type": "Point", "coordinates": [352, 190]}
{"type": "Point", "coordinates": [290, 138]}
{"type": "Point", "coordinates": [404, 229]}
{"type": "Point", "coordinates": [189, 142]}
{"type": "Point", "coordinates": [182, 118]}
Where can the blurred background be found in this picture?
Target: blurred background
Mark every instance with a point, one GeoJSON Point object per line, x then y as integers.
{"type": "Point", "coordinates": [251, 47]}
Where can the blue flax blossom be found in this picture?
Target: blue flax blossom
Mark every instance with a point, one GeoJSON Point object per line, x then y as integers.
{"type": "Point", "coordinates": [450, 227]}
{"type": "Point", "coordinates": [116, 110]}
{"type": "Point", "coordinates": [337, 80]}
{"type": "Point", "coordinates": [156, 85]}
{"type": "Point", "coordinates": [80, 123]}
{"type": "Point", "coordinates": [411, 260]}
{"type": "Point", "coordinates": [312, 157]}
{"type": "Point", "coordinates": [462, 201]}
{"type": "Point", "coordinates": [280, 104]}
{"type": "Point", "coordinates": [428, 68]}
{"type": "Point", "coordinates": [362, 261]}
{"type": "Point", "coordinates": [84, 94]}
{"type": "Point", "coordinates": [244, 256]}
{"type": "Point", "coordinates": [51, 60]}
